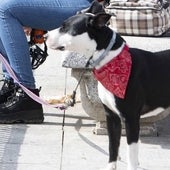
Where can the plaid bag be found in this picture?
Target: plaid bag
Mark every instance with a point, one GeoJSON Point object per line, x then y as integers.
{"type": "Point", "coordinates": [142, 17]}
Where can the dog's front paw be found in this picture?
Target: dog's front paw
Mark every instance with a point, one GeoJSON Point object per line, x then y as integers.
{"type": "Point", "coordinates": [110, 166]}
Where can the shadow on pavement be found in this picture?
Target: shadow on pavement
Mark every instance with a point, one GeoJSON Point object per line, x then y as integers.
{"type": "Point", "coordinates": [11, 139]}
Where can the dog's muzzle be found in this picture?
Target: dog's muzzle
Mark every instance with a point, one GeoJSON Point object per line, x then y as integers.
{"type": "Point", "coordinates": [51, 43]}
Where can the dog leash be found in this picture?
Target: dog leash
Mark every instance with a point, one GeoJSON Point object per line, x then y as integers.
{"type": "Point", "coordinates": [59, 106]}
{"type": "Point", "coordinates": [27, 91]}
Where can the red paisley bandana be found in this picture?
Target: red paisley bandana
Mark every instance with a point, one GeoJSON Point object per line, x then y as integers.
{"type": "Point", "coordinates": [115, 74]}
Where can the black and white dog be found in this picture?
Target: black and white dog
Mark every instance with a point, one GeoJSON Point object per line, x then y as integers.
{"type": "Point", "coordinates": [130, 81]}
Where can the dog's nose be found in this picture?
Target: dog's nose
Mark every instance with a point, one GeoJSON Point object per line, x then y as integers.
{"type": "Point", "coordinates": [49, 41]}
{"type": "Point", "coordinates": [45, 36]}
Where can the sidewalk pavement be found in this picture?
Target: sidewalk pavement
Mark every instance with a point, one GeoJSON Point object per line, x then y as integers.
{"type": "Point", "coordinates": [38, 147]}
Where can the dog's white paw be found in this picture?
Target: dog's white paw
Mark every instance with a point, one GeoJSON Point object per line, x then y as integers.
{"type": "Point", "coordinates": [110, 166]}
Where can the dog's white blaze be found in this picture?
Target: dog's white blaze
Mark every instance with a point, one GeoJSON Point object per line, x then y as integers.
{"type": "Point", "coordinates": [132, 156]}
{"type": "Point", "coordinates": [107, 98]}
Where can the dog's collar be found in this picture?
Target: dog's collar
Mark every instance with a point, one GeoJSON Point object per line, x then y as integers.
{"type": "Point", "coordinates": [92, 62]}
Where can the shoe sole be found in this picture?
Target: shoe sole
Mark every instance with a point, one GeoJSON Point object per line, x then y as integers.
{"type": "Point", "coordinates": [29, 117]}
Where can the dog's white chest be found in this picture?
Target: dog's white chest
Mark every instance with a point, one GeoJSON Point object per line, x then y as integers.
{"type": "Point", "coordinates": [107, 98]}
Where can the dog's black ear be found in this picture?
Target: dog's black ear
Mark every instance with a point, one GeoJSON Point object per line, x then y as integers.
{"type": "Point", "coordinates": [95, 8]}
{"type": "Point", "coordinates": [100, 20]}
{"type": "Point", "coordinates": [106, 3]}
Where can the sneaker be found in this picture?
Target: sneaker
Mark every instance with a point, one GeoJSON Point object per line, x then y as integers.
{"type": "Point", "coordinates": [7, 90]}
{"type": "Point", "coordinates": [20, 108]}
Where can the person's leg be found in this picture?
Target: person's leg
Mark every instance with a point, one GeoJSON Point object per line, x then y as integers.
{"type": "Point", "coordinates": [16, 46]}
{"type": "Point", "coordinates": [3, 53]}
{"type": "Point", "coordinates": [7, 84]}
{"type": "Point", "coordinates": [40, 14]}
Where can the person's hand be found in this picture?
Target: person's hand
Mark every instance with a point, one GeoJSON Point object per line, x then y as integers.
{"type": "Point", "coordinates": [27, 30]}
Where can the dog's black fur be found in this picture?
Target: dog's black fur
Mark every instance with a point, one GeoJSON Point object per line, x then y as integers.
{"type": "Point", "coordinates": [148, 86]}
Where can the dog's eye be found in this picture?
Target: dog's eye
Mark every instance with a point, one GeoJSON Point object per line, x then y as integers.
{"type": "Point", "coordinates": [61, 29]}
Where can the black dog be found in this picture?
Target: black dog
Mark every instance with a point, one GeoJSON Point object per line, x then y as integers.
{"type": "Point", "coordinates": [131, 81]}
